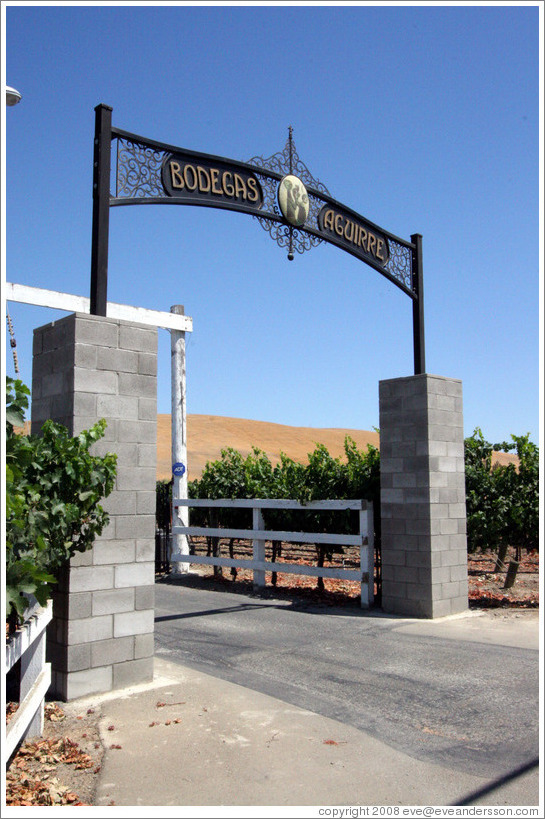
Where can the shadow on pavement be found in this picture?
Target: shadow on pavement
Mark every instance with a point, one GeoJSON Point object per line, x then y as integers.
{"type": "Point", "coordinates": [300, 599]}
{"type": "Point", "coordinates": [471, 798]}
{"type": "Point", "coordinates": [227, 610]}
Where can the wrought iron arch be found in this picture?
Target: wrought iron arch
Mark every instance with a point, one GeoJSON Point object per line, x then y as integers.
{"type": "Point", "coordinates": [295, 209]}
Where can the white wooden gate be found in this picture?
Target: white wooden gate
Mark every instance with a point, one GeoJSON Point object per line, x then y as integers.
{"type": "Point", "coordinates": [259, 536]}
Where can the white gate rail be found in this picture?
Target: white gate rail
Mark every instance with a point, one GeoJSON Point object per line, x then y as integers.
{"type": "Point", "coordinates": [259, 535]}
{"type": "Point", "coordinates": [28, 645]}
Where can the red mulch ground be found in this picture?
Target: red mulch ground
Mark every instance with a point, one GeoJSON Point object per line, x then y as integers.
{"type": "Point", "coordinates": [486, 587]}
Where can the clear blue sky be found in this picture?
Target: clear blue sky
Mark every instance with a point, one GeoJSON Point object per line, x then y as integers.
{"type": "Point", "coordinates": [423, 119]}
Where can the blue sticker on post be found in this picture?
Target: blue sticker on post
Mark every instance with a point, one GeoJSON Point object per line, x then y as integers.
{"type": "Point", "coordinates": [178, 470]}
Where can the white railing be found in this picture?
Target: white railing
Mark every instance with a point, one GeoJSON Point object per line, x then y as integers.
{"type": "Point", "coordinates": [28, 645]}
{"type": "Point", "coordinates": [259, 536]}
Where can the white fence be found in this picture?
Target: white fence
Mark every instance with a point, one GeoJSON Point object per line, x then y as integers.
{"type": "Point", "coordinates": [28, 645]}
{"type": "Point", "coordinates": [259, 536]}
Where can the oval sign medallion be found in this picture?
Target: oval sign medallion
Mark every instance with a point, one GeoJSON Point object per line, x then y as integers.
{"type": "Point", "coordinates": [293, 200]}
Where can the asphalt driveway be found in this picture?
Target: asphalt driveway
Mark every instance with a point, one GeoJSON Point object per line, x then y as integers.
{"type": "Point", "coordinates": [462, 692]}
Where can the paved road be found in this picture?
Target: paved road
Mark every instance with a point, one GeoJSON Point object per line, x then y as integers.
{"type": "Point", "coordinates": [462, 692]}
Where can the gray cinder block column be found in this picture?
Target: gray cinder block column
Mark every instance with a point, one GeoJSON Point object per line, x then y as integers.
{"type": "Point", "coordinates": [85, 368]}
{"type": "Point", "coordinates": [423, 512]}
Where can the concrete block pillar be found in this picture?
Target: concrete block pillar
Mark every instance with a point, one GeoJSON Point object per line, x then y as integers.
{"type": "Point", "coordinates": [423, 511]}
{"type": "Point", "coordinates": [86, 368]}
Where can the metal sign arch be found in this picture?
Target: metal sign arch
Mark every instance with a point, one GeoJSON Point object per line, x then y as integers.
{"type": "Point", "coordinates": [280, 192]}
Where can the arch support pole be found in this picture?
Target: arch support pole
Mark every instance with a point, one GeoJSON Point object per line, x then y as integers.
{"type": "Point", "coordinates": [418, 307]}
{"type": "Point", "coordinates": [101, 209]}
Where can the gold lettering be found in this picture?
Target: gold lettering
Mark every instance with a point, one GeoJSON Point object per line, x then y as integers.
{"type": "Point", "coordinates": [363, 237]}
{"type": "Point", "coordinates": [204, 180]}
{"type": "Point", "coordinates": [193, 185]}
{"type": "Point", "coordinates": [380, 245]}
{"type": "Point", "coordinates": [214, 173]}
{"type": "Point", "coordinates": [176, 177]}
{"type": "Point", "coordinates": [240, 187]}
{"type": "Point", "coordinates": [351, 236]}
{"type": "Point", "coordinates": [338, 224]}
{"type": "Point", "coordinates": [372, 243]}
{"type": "Point", "coordinates": [253, 192]}
{"type": "Point", "coordinates": [228, 188]}
{"type": "Point", "coordinates": [328, 220]}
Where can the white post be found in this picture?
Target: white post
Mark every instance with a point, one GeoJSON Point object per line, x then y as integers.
{"type": "Point", "coordinates": [32, 665]}
{"type": "Point", "coordinates": [258, 548]}
{"type": "Point", "coordinates": [367, 556]}
{"type": "Point", "coordinates": [180, 543]}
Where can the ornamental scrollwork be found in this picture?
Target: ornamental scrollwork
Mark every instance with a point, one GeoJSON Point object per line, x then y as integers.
{"type": "Point", "coordinates": [138, 170]}
{"type": "Point", "coordinates": [286, 162]}
{"type": "Point", "coordinates": [287, 236]}
{"type": "Point", "coordinates": [399, 265]}
{"type": "Point", "coordinates": [280, 232]}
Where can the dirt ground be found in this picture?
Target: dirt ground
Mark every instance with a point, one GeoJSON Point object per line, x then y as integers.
{"type": "Point", "coordinates": [486, 587]}
{"type": "Point", "coordinates": [62, 766]}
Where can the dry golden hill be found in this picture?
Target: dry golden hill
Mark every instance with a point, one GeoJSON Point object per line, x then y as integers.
{"type": "Point", "coordinates": [207, 435]}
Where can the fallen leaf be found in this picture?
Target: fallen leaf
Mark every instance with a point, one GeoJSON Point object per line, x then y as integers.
{"type": "Point", "coordinates": [53, 712]}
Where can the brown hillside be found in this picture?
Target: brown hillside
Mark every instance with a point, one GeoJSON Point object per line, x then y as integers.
{"type": "Point", "coordinates": [207, 435]}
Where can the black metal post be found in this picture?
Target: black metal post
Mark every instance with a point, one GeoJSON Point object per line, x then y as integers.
{"type": "Point", "coordinates": [418, 307]}
{"type": "Point", "coordinates": [101, 209]}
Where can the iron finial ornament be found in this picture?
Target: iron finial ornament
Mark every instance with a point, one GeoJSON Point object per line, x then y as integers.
{"type": "Point", "coordinates": [288, 164]}
{"type": "Point", "coordinates": [290, 140]}
{"type": "Point", "coordinates": [292, 198]}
